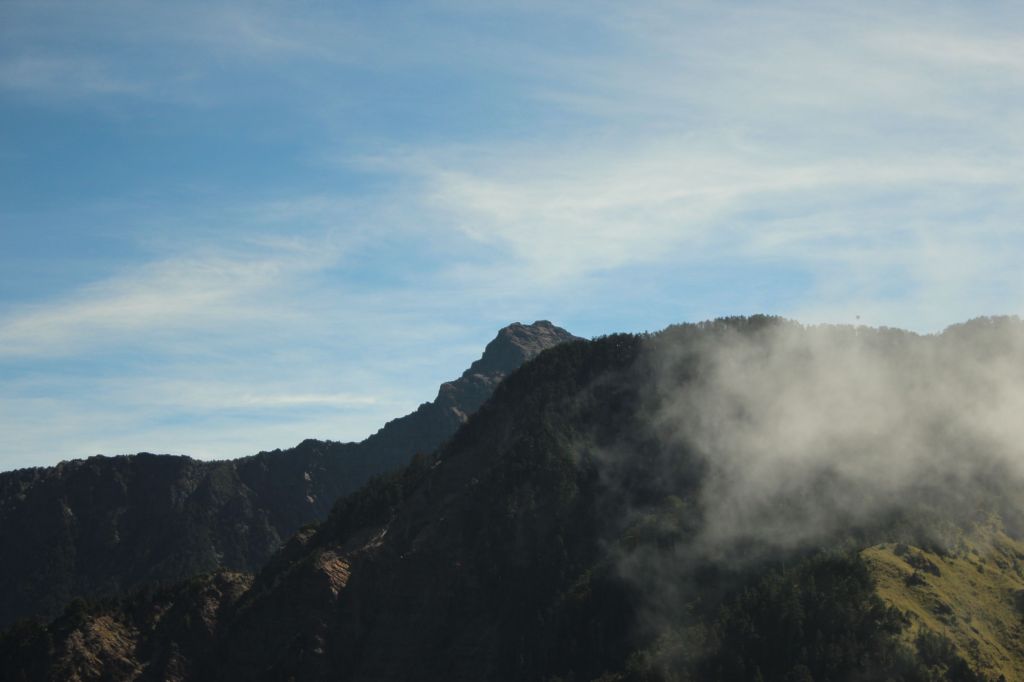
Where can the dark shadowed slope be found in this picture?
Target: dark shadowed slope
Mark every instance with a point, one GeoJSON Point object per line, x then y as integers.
{"type": "Point", "coordinates": [103, 525]}
{"type": "Point", "coordinates": [572, 530]}
{"type": "Point", "coordinates": [629, 509]}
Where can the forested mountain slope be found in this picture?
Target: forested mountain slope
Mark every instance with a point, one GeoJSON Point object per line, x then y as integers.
{"type": "Point", "coordinates": [104, 525]}
{"type": "Point", "coordinates": [744, 499]}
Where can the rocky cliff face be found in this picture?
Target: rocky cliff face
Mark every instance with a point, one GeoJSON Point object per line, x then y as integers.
{"type": "Point", "coordinates": [434, 422]}
{"type": "Point", "coordinates": [104, 525]}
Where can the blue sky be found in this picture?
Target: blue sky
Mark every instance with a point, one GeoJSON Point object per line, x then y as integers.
{"type": "Point", "coordinates": [226, 227]}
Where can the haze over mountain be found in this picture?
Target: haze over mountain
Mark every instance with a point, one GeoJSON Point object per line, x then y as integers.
{"type": "Point", "coordinates": [744, 499]}
{"type": "Point", "coordinates": [103, 525]}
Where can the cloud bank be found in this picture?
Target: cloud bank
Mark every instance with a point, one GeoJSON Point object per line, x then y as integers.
{"type": "Point", "coordinates": [805, 433]}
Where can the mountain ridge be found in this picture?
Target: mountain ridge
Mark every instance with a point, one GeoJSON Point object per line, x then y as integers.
{"type": "Point", "coordinates": [100, 525]}
{"type": "Point", "coordinates": [573, 529]}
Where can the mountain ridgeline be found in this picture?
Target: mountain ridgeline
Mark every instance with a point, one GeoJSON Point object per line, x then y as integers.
{"type": "Point", "coordinates": [743, 499]}
{"type": "Point", "coordinates": [104, 525]}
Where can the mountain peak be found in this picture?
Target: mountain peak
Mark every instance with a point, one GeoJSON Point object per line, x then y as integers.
{"type": "Point", "coordinates": [517, 343]}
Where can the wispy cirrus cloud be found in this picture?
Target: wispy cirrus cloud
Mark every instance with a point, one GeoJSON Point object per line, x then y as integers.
{"type": "Point", "coordinates": [66, 75]}
{"type": "Point", "coordinates": [875, 148]}
{"type": "Point", "coordinates": [569, 211]}
{"type": "Point", "coordinates": [191, 292]}
{"type": "Point", "coordinates": [183, 53]}
{"type": "Point", "coordinates": [399, 180]}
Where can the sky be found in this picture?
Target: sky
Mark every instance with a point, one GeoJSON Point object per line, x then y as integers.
{"type": "Point", "coordinates": [226, 227]}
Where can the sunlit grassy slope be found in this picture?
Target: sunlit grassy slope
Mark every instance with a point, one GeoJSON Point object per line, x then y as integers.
{"type": "Point", "coordinates": [972, 594]}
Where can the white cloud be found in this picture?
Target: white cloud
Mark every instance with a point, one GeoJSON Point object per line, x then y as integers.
{"type": "Point", "coordinates": [67, 76]}
{"type": "Point", "coordinates": [197, 292]}
{"type": "Point", "coordinates": [567, 214]}
{"type": "Point", "coordinates": [873, 149]}
{"type": "Point", "coordinates": [189, 53]}
{"type": "Point", "coordinates": [871, 146]}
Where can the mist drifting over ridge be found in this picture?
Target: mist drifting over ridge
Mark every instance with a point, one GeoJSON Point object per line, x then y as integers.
{"type": "Point", "coordinates": [757, 444]}
{"type": "Point", "coordinates": [746, 498]}
{"type": "Point", "coordinates": [803, 431]}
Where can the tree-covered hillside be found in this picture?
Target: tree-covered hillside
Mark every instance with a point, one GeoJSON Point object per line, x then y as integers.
{"type": "Point", "coordinates": [104, 525]}
{"type": "Point", "coordinates": [707, 503]}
